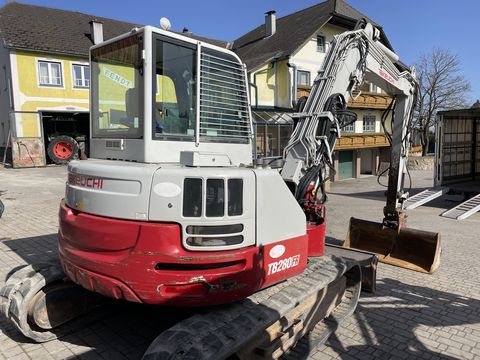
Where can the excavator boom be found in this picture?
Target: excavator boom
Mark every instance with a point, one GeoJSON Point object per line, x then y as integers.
{"type": "Point", "coordinates": [354, 57]}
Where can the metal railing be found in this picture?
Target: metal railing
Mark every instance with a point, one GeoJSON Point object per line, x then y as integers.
{"type": "Point", "coordinates": [223, 99]}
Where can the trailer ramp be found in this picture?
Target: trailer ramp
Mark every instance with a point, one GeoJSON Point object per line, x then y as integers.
{"type": "Point", "coordinates": [424, 197]}
{"type": "Point", "coordinates": [465, 209]}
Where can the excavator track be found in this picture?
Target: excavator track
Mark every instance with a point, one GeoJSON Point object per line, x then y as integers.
{"type": "Point", "coordinates": [271, 322]}
{"type": "Point", "coordinates": [286, 320]}
{"type": "Point", "coordinates": [38, 298]}
{"type": "Point", "coordinates": [18, 291]}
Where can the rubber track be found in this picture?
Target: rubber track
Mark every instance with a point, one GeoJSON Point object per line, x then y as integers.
{"type": "Point", "coordinates": [223, 331]}
{"type": "Point", "coordinates": [321, 332]}
{"type": "Point", "coordinates": [19, 290]}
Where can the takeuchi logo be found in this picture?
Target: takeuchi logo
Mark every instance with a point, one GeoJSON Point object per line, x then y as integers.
{"type": "Point", "coordinates": [85, 181]}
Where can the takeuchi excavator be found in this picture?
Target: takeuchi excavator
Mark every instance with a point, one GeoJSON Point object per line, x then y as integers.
{"type": "Point", "coordinates": [172, 210]}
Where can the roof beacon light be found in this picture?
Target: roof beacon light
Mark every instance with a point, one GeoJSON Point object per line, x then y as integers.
{"type": "Point", "coordinates": [165, 23]}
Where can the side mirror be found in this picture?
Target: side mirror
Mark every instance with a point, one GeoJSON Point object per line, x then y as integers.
{"type": "Point", "coordinates": [132, 103]}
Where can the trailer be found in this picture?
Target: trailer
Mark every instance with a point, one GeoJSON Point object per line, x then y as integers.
{"type": "Point", "coordinates": [457, 149]}
{"type": "Point", "coordinates": [457, 158]}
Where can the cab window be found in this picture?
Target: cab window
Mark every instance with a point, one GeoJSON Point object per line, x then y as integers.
{"type": "Point", "coordinates": [174, 96]}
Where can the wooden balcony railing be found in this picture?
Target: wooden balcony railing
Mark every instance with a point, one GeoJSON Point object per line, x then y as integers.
{"type": "Point", "coordinates": [364, 101]}
{"type": "Point", "coordinates": [358, 141]}
{"type": "Point", "coordinates": [370, 101]}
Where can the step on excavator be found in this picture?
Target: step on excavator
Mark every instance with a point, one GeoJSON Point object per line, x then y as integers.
{"type": "Point", "coordinates": [171, 209]}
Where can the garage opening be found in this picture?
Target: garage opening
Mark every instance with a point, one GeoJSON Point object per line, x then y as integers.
{"type": "Point", "coordinates": [366, 161]}
{"type": "Point", "coordinates": [345, 165]}
{"type": "Point", "coordinates": [66, 136]}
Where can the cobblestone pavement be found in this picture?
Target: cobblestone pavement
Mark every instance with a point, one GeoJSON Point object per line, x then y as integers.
{"type": "Point", "coordinates": [411, 316]}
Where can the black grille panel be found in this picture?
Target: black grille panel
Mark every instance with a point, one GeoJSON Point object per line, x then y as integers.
{"type": "Point", "coordinates": [215, 241]}
{"type": "Point", "coordinates": [218, 200]}
{"type": "Point", "coordinates": [214, 230]}
{"type": "Point", "coordinates": [192, 197]}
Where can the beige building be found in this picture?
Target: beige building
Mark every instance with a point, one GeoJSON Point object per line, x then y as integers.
{"type": "Point", "coordinates": [283, 57]}
{"type": "Point", "coordinates": [45, 82]}
{"type": "Point", "coordinates": [44, 97]}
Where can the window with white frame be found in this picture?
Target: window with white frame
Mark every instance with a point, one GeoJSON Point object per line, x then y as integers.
{"type": "Point", "coordinates": [303, 78]}
{"type": "Point", "coordinates": [81, 76]}
{"type": "Point", "coordinates": [368, 123]}
{"type": "Point", "coordinates": [350, 128]}
{"type": "Point", "coordinates": [50, 73]}
{"type": "Point", "coordinates": [321, 43]}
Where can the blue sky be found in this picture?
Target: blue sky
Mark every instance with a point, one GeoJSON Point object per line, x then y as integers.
{"type": "Point", "coordinates": [413, 26]}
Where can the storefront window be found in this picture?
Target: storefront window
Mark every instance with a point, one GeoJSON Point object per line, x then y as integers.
{"type": "Point", "coordinates": [260, 140]}
{"type": "Point", "coordinates": [273, 140]}
{"type": "Point", "coordinates": [285, 133]}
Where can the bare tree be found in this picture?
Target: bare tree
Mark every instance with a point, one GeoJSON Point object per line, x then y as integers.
{"type": "Point", "coordinates": [441, 87]}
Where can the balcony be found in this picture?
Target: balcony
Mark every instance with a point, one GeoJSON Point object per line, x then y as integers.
{"type": "Point", "coordinates": [359, 141]}
{"type": "Point", "coordinates": [364, 101]}
{"type": "Point", "coordinates": [370, 101]}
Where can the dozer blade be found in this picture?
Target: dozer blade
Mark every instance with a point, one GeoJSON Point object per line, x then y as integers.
{"type": "Point", "coordinates": [408, 248]}
{"type": "Point", "coordinates": [366, 260]}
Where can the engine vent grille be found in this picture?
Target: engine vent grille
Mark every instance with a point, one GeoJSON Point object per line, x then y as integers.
{"type": "Point", "coordinates": [214, 230]}
{"type": "Point", "coordinates": [224, 111]}
{"type": "Point", "coordinates": [216, 201]}
{"type": "Point", "coordinates": [214, 241]}
{"type": "Point", "coordinates": [114, 144]}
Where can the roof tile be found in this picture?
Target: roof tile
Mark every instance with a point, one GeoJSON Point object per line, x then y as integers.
{"type": "Point", "coordinates": [39, 28]}
{"type": "Point", "coordinates": [292, 31]}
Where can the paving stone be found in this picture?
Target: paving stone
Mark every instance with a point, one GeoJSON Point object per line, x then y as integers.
{"type": "Point", "coordinates": [463, 340]}
{"type": "Point", "coordinates": [21, 356]}
{"type": "Point", "coordinates": [64, 354]}
{"type": "Point", "coordinates": [12, 351]}
{"type": "Point", "coordinates": [459, 353]}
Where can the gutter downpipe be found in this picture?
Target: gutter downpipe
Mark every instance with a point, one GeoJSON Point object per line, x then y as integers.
{"type": "Point", "coordinates": [254, 85]}
{"type": "Point", "coordinates": [275, 89]}
{"type": "Point", "coordinates": [294, 87]}
{"type": "Point", "coordinates": [254, 134]}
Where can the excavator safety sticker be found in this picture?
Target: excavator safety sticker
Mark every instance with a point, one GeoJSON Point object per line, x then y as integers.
{"type": "Point", "coordinates": [283, 264]}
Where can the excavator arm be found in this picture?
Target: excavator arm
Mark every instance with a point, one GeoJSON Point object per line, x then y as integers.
{"type": "Point", "coordinates": [354, 57]}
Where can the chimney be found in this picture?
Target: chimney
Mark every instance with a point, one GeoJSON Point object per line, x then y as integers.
{"type": "Point", "coordinates": [96, 30]}
{"type": "Point", "coordinates": [270, 23]}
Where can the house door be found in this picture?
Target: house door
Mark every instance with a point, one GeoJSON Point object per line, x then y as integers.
{"type": "Point", "coordinates": [345, 165]}
{"type": "Point", "coordinates": [366, 161]}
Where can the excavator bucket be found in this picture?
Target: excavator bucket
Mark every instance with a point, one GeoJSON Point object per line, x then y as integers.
{"type": "Point", "coordinates": [408, 248]}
